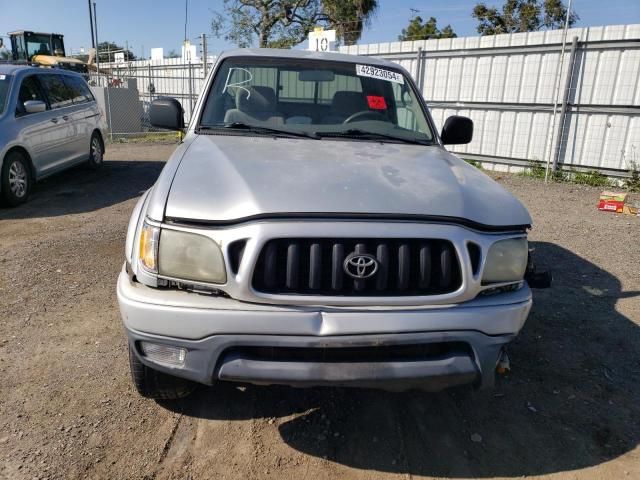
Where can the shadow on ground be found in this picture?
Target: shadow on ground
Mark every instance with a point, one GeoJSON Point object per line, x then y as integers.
{"type": "Point", "coordinates": [570, 402]}
{"type": "Point", "coordinates": [81, 190]}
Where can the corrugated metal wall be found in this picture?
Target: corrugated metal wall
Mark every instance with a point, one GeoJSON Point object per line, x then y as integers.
{"type": "Point", "coordinates": [507, 85]}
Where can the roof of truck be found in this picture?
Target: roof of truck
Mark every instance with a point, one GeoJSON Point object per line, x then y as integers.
{"type": "Point", "coordinates": [11, 68]}
{"type": "Point", "coordinates": [308, 54]}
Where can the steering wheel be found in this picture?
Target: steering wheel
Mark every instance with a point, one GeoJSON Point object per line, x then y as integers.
{"type": "Point", "coordinates": [371, 114]}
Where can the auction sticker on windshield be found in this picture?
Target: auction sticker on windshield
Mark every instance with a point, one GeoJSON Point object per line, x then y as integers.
{"type": "Point", "coordinates": [379, 73]}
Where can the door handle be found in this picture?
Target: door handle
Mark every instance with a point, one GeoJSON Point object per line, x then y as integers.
{"type": "Point", "coordinates": [65, 118]}
{"type": "Point", "coordinates": [54, 120]}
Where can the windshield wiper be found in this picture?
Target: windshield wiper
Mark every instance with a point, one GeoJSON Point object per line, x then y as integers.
{"type": "Point", "coordinates": [359, 133]}
{"type": "Point", "coordinates": [260, 129]}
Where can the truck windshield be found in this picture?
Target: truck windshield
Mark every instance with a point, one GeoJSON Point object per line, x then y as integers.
{"type": "Point", "coordinates": [317, 98]}
{"type": "Point", "coordinates": [4, 91]}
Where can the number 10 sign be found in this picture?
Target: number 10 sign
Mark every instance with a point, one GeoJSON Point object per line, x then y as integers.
{"type": "Point", "coordinates": [322, 40]}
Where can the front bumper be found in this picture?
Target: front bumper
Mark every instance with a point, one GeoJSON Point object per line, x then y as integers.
{"type": "Point", "coordinates": [221, 336]}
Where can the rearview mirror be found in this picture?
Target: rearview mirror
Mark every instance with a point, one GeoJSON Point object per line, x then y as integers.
{"type": "Point", "coordinates": [34, 106]}
{"type": "Point", "coordinates": [316, 76]}
{"type": "Point", "coordinates": [166, 112]}
{"type": "Point", "coordinates": [457, 130]}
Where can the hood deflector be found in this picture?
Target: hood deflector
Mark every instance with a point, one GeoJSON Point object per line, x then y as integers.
{"type": "Point", "coordinates": [368, 217]}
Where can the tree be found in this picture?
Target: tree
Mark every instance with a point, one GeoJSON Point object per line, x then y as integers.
{"type": "Point", "coordinates": [172, 54]}
{"type": "Point", "coordinates": [107, 52]}
{"type": "Point", "coordinates": [419, 30]}
{"type": "Point", "coordinates": [285, 23]}
{"type": "Point", "coordinates": [349, 17]}
{"type": "Point", "coordinates": [521, 16]}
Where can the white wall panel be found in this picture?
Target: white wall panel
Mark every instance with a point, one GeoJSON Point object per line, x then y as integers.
{"type": "Point", "coordinates": [520, 89]}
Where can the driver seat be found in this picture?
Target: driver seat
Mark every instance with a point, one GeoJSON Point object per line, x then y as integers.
{"type": "Point", "coordinates": [255, 104]}
{"type": "Point", "coordinates": [344, 104]}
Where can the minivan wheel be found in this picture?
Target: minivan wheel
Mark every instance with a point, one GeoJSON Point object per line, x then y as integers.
{"type": "Point", "coordinates": [96, 152]}
{"type": "Point", "coordinates": [16, 179]}
{"type": "Point", "coordinates": [151, 383]}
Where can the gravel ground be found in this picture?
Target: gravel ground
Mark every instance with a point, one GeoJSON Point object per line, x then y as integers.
{"type": "Point", "coordinates": [570, 408]}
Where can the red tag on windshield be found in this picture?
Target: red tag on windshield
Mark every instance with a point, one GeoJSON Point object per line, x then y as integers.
{"type": "Point", "coordinates": [376, 102]}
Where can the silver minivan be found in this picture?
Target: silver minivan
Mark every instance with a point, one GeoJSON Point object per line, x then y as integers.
{"type": "Point", "coordinates": [49, 121]}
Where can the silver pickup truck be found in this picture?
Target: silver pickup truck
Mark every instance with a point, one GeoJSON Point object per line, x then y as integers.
{"type": "Point", "coordinates": [312, 229]}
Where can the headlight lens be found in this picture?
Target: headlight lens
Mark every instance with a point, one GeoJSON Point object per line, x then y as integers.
{"type": "Point", "coordinates": [190, 256]}
{"type": "Point", "coordinates": [506, 261]}
{"type": "Point", "coordinates": [148, 253]}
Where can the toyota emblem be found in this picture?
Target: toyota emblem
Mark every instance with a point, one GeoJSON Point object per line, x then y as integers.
{"type": "Point", "coordinates": [360, 265]}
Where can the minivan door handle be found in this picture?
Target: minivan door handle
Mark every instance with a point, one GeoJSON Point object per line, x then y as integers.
{"type": "Point", "coordinates": [54, 120]}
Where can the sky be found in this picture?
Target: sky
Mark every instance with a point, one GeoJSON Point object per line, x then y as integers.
{"type": "Point", "coordinates": [144, 24]}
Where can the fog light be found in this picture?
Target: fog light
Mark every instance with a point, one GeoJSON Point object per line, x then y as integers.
{"type": "Point", "coordinates": [164, 353]}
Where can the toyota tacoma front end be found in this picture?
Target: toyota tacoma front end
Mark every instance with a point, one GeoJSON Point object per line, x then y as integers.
{"type": "Point", "coordinates": [313, 230]}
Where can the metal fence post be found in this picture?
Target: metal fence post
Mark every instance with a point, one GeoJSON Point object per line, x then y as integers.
{"type": "Point", "coordinates": [149, 83]}
{"type": "Point", "coordinates": [565, 99]}
{"type": "Point", "coordinates": [190, 91]}
{"type": "Point", "coordinates": [204, 56]}
{"type": "Point", "coordinates": [419, 73]}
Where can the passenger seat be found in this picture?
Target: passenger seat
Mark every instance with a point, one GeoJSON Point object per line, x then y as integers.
{"type": "Point", "coordinates": [255, 104]}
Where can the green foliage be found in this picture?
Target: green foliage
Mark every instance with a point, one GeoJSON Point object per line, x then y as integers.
{"type": "Point", "coordinates": [592, 178]}
{"type": "Point", "coordinates": [348, 17]}
{"type": "Point", "coordinates": [474, 163]}
{"type": "Point", "coordinates": [633, 182]}
{"type": "Point", "coordinates": [285, 23]}
{"type": "Point", "coordinates": [559, 176]}
{"type": "Point", "coordinates": [107, 52]}
{"type": "Point", "coordinates": [172, 54]}
{"type": "Point", "coordinates": [534, 170]}
{"type": "Point", "coordinates": [424, 30]}
{"type": "Point", "coordinates": [521, 16]}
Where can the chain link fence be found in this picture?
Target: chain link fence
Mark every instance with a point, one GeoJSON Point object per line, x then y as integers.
{"type": "Point", "coordinates": [125, 92]}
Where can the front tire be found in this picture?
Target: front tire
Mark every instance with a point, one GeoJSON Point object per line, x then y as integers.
{"type": "Point", "coordinates": [151, 383]}
{"type": "Point", "coordinates": [96, 152]}
{"type": "Point", "coordinates": [16, 179]}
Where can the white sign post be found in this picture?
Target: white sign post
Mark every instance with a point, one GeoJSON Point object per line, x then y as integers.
{"type": "Point", "coordinates": [322, 40]}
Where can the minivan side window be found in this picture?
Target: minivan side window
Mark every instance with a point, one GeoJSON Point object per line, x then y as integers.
{"type": "Point", "coordinates": [60, 95]}
{"type": "Point", "coordinates": [80, 89]}
{"type": "Point", "coordinates": [29, 90]}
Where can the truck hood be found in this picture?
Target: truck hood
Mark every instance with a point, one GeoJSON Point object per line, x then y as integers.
{"type": "Point", "coordinates": [224, 179]}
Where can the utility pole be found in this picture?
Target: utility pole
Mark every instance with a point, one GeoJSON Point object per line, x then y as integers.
{"type": "Point", "coordinates": [93, 43]}
{"type": "Point", "coordinates": [204, 54]}
{"type": "Point", "coordinates": [95, 19]}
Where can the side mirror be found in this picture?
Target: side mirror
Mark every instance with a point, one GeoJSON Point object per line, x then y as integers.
{"type": "Point", "coordinates": [34, 106]}
{"type": "Point", "coordinates": [457, 130]}
{"type": "Point", "coordinates": [166, 112]}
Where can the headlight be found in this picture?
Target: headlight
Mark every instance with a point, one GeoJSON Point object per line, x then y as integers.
{"type": "Point", "coordinates": [189, 256]}
{"type": "Point", "coordinates": [506, 261]}
{"type": "Point", "coordinates": [148, 252]}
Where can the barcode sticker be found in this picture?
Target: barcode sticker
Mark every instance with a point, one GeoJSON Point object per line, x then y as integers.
{"type": "Point", "coordinates": [379, 73]}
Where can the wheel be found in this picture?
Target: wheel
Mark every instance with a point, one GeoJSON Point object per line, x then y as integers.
{"type": "Point", "coordinates": [16, 179]}
{"type": "Point", "coordinates": [96, 152]}
{"type": "Point", "coordinates": [151, 383]}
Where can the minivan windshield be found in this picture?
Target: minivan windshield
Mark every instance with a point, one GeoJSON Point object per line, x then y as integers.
{"type": "Point", "coordinates": [314, 98]}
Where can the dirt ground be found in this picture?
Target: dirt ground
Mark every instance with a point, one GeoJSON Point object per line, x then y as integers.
{"type": "Point", "coordinates": [570, 408]}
